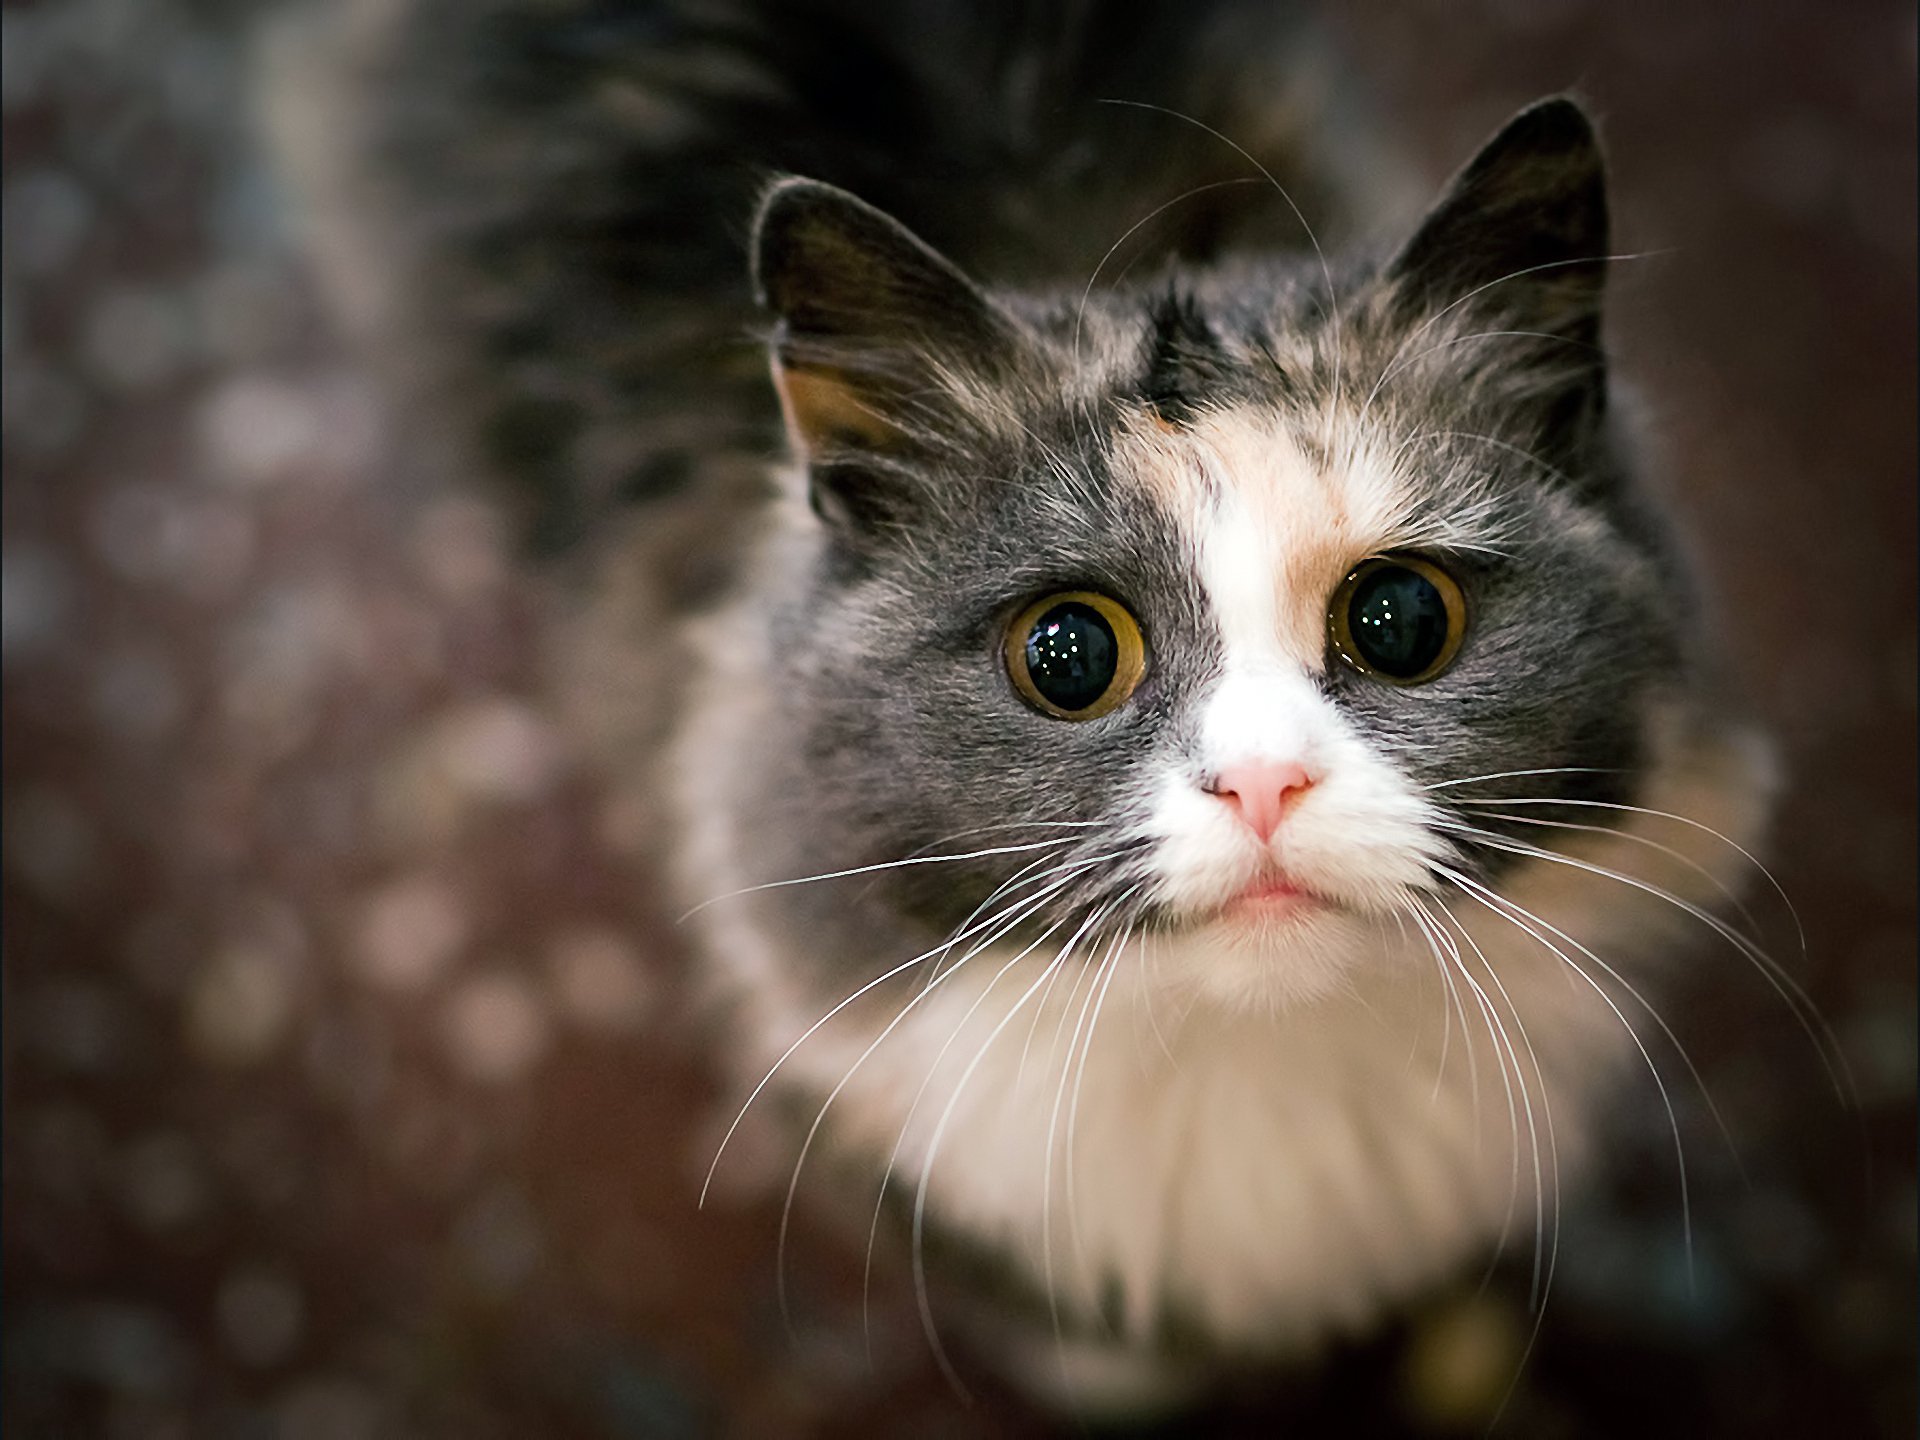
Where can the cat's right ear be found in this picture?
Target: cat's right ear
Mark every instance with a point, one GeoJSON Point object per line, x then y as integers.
{"type": "Point", "coordinates": [884, 353]}
{"type": "Point", "coordinates": [1522, 229]}
{"type": "Point", "coordinates": [1514, 259]}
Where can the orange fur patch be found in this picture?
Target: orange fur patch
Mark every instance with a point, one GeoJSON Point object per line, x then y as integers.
{"type": "Point", "coordinates": [823, 411]}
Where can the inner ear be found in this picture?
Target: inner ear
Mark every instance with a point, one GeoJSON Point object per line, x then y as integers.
{"type": "Point", "coordinates": [826, 413]}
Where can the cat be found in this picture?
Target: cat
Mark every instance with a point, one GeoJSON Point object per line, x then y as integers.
{"type": "Point", "coordinates": [1182, 774]}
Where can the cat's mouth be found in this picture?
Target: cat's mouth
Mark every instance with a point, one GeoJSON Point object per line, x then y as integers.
{"type": "Point", "coordinates": [1271, 895]}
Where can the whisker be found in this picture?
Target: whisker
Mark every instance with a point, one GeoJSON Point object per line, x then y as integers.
{"type": "Point", "coordinates": [921, 1293]}
{"type": "Point", "coordinates": [1143, 998]}
{"type": "Point", "coordinates": [1097, 973]}
{"type": "Point", "coordinates": [1066, 870]}
{"type": "Point", "coordinates": [1112, 968]}
{"type": "Point", "coordinates": [893, 1156]}
{"type": "Point", "coordinates": [1517, 774]}
{"type": "Point", "coordinates": [1081, 314]}
{"type": "Point", "coordinates": [1511, 913]}
{"type": "Point", "coordinates": [1826, 1045]}
{"type": "Point", "coordinates": [1542, 1282]}
{"type": "Point", "coordinates": [1105, 912]}
{"type": "Point", "coordinates": [1444, 311]}
{"type": "Point", "coordinates": [1011, 921]}
{"type": "Point", "coordinates": [1799, 930]}
{"type": "Point", "coordinates": [1012, 825]}
{"type": "Point", "coordinates": [1612, 832]}
{"type": "Point", "coordinates": [814, 1029]}
{"type": "Point", "coordinates": [1106, 964]}
{"type": "Point", "coordinates": [1446, 1036]}
{"type": "Point", "coordinates": [1019, 880]}
{"type": "Point", "coordinates": [1326, 271]}
{"type": "Point", "coordinates": [1053, 1043]}
{"type": "Point", "coordinates": [1644, 1005]}
{"type": "Point", "coordinates": [1402, 360]}
{"type": "Point", "coordinates": [1153, 1019]}
{"type": "Point", "coordinates": [1706, 1094]}
{"type": "Point", "coordinates": [883, 865]}
{"type": "Point", "coordinates": [1519, 451]}
{"type": "Point", "coordinates": [1503, 1054]}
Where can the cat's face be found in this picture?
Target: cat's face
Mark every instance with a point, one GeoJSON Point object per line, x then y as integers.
{"type": "Point", "coordinates": [1202, 605]}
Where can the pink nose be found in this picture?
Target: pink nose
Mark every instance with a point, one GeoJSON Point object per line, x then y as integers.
{"type": "Point", "coordinates": [1261, 791]}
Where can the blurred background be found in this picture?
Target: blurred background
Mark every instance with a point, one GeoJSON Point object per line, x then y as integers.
{"type": "Point", "coordinates": [347, 1089]}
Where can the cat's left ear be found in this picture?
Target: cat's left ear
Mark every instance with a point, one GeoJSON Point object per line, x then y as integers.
{"type": "Point", "coordinates": [1519, 234]}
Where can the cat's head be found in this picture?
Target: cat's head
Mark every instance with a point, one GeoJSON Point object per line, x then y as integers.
{"type": "Point", "coordinates": [1201, 602]}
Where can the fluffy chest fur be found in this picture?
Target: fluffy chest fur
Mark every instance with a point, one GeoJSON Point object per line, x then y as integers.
{"type": "Point", "coordinates": [1262, 1180]}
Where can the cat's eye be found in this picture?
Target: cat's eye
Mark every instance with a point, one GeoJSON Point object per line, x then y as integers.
{"type": "Point", "coordinates": [1076, 655]}
{"type": "Point", "coordinates": [1398, 618]}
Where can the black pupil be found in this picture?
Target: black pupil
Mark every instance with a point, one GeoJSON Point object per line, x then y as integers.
{"type": "Point", "coordinates": [1398, 621]}
{"type": "Point", "coordinates": [1071, 655]}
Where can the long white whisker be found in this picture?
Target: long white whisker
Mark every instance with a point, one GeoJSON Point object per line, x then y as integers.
{"type": "Point", "coordinates": [1641, 1000]}
{"type": "Point", "coordinates": [1513, 915]}
{"type": "Point", "coordinates": [921, 1293]}
{"type": "Point", "coordinates": [1106, 963]}
{"type": "Point", "coordinates": [1518, 451]}
{"type": "Point", "coordinates": [1019, 880]}
{"type": "Point", "coordinates": [1517, 774]}
{"type": "Point", "coordinates": [1053, 884]}
{"type": "Point", "coordinates": [1326, 271]}
{"type": "Point", "coordinates": [1152, 215]}
{"type": "Point", "coordinates": [1403, 360]}
{"type": "Point", "coordinates": [1799, 930]}
{"type": "Point", "coordinates": [1504, 1056]}
{"type": "Point", "coordinates": [1466, 1033]}
{"type": "Point", "coordinates": [1543, 1284]}
{"type": "Point", "coordinates": [883, 865]}
{"type": "Point", "coordinates": [893, 1155]}
{"type": "Point", "coordinates": [1098, 973]}
{"type": "Point", "coordinates": [1112, 968]}
{"type": "Point", "coordinates": [1064, 871]}
{"type": "Point", "coordinates": [1679, 857]}
{"type": "Point", "coordinates": [1826, 1045]}
{"type": "Point", "coordinates": [1005, 923]}
{"type": "Point", "coordinates": [1040, 1010]}
{"type": "Point", "coordinates": [813, 1029]}
{"type": "Point", "coordinates": [1147, 989]}
{"type": "Point", "coordinates": [1542, 1276]}
{"type": "Point", "coordinates": [1449, 308]}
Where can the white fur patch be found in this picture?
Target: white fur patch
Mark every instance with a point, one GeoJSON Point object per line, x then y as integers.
{"type": "Point", "coordinates": [1272, 536]}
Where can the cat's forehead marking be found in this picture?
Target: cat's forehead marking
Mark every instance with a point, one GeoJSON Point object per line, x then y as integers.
{"type": "Point", "coordinates": [1272, 525]}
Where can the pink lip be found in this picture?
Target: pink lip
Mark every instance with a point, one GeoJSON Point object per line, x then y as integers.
{"type": "Point", "coordinates": [1271, 895]}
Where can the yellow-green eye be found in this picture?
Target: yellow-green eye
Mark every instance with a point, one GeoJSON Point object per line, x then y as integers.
{"type": "Point", "coordinates": [1076, 655]}
{"type": "Point", "coordinates": [1398, 618]}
